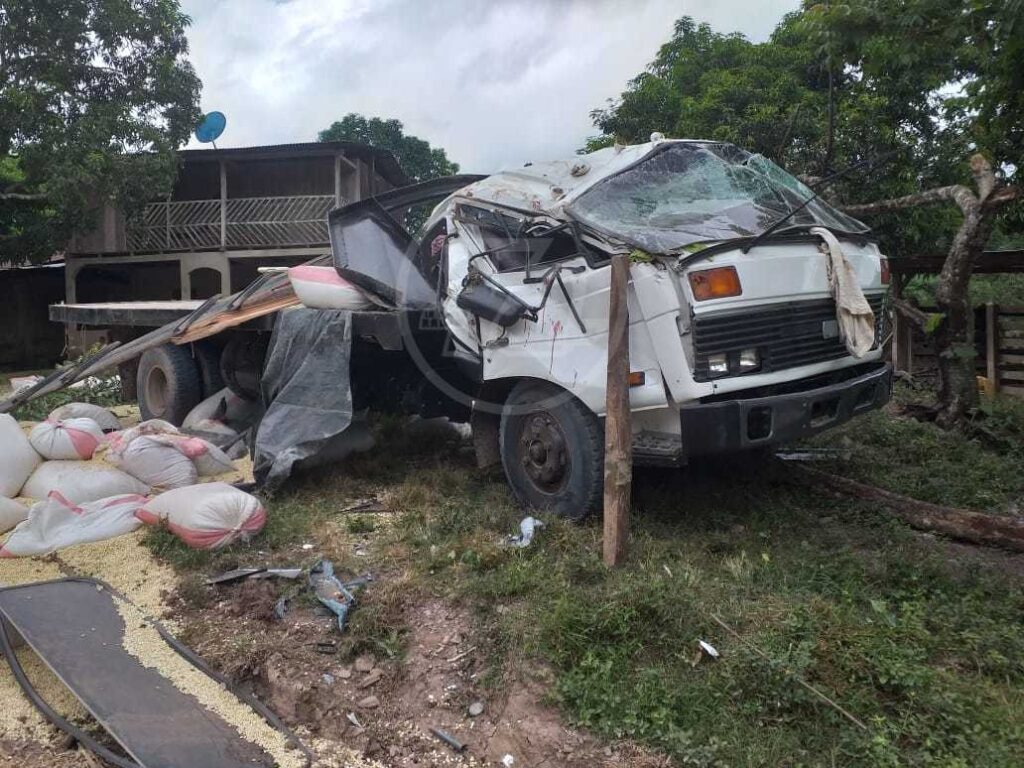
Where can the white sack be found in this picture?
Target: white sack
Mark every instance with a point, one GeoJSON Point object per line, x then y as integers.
{"type": "Point", "coordinates": [119, 441]}
{"type": "Point", "coordinates": [108, 422]}
{"type": "Point", "coordinates": [209, 460]}
{"type": "Point", "coordinates": [18, 458]}
{"type": "Point", "coordinates": [68, 439]}
{"type": "Point", "coordinates": [155, 463]}
{"type": "Point", "coordinates": [853, 313]}
{"type": "Point", "coordinates": [11, 513]}
{"type": "Point", "coordinates": [324, 288]}
{"type": "Point", "coordinates": [206, 516]}
{"type": "Point", "coordinates": [57, 523]}
{"type": "Point", "coordinates": [225, 407]}
{"type": "Point", "coordinates": [80, 481]}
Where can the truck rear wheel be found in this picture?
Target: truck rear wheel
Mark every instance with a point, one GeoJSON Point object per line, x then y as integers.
{"type": "Point", "coordinates": [169, 383]}
{"type": "Point", "coordinates": [208, 360]}
{"type": "Point", "coordinates": [552, 450]}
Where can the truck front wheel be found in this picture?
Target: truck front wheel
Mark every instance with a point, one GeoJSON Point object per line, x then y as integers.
{"type": "Point", "coordinates": [552, 449]}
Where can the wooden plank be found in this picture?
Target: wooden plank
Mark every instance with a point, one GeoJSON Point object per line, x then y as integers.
{"type": "Point", "coordinates": [1013, 359]}
{"type": "Point", "coordinates": [1011, 310]}
{"type": "Point", "coordinates": [211, 326]}
{"type": "Point", "coordinates": [1012, 391]}
{"type": "Point", "coordinates": [618, 441]}
{"type": "Point", "coordinates": [1011, 375]}
{"type": "Point", "coordinates": [992, 345]}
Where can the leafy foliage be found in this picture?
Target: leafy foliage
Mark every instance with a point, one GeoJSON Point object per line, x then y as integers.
{"type": "Point", "coordinates": [95, 97]}
{"type": "Point", "coordinates": [99, 391]}
{"type": "Point", "coordinates": [419, 160]}
{"type": "Point", "coordinates": [921, 83]}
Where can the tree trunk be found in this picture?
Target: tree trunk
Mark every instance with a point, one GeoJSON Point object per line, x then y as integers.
{"type": "Point", "coordinates": [958, 388]}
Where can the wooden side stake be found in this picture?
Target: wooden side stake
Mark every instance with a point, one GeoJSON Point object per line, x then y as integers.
{"type": "Point", "coordinates": [992, 346]}
{"type": "Point", "coordinates": [618, 432]}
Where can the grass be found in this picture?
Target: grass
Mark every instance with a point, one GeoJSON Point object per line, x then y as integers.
{"type": "Point", "coordinates": [979, 467]}
{"type": "Point", "coordinates": [918, 640]}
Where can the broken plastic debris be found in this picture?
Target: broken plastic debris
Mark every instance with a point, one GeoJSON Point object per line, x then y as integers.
{"type": "Point", "coordinates": [508, 761]}
{"type": "Point", "coordinates": [527, 528]}
{"type": "Point", "coordinates": [709, 649]}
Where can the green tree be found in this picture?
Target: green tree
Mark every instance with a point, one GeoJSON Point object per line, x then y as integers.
{"type": "Point", "coordinates": [934, 85]}
{"type": "Point", "coordinates": [418, 159]}
{"type": "Point", "coordinates": [95, 98]}
{"type": "Point", "coordinates": [958, 67]}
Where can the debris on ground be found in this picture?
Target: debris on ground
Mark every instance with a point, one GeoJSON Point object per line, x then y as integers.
{"type": "Point", "coordinates": [448, 739]}
{"type": "Point", "coordinates": [528, 526]}
{"type": "Point", "coordinates": [239, 574]}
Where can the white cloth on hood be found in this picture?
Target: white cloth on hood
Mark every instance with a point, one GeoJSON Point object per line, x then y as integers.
{"type": "Point", "coordinates": [853, 313]}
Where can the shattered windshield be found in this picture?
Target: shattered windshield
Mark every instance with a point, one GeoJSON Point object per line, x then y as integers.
{"type": "Point", "coordinates": [690, 193]}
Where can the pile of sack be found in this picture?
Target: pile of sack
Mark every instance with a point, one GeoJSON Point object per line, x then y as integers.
{"type": "Point", "coordinates": [83, 478]}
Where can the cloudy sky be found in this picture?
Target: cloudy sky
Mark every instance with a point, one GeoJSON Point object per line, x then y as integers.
{"type": "Point", "coordinates": [494, 82]}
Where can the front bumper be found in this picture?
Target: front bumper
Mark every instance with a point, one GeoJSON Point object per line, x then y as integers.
{"type": "Point", "coordinates": [735, 425]}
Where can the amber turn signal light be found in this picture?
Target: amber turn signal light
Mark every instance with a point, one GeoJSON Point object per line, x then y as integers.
{"type": "Point", "coordinates": [886, 271]}
{"type": "Point", "coordinates": [637, 378]}
{"type": "Point", "coordinates": [717, 283]}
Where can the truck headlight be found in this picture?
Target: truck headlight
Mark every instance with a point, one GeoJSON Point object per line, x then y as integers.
{"type": "Point", "coordinates": [718, 365]}
{"type": "Point", "coordinates": [750, 360]}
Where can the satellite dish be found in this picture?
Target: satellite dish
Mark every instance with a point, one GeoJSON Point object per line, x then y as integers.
{"type": "Point", "coordinates": [211, 128]}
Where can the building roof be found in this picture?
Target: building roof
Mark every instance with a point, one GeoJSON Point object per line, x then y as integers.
{"type": "Point", "coordinates": [381, 159]}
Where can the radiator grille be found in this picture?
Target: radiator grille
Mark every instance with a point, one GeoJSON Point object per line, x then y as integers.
{"type": "Point", "coordinates": [786, 335]}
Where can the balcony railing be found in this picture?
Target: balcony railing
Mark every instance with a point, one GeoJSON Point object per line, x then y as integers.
{"type": "Point", "coordinates": [241, 222]}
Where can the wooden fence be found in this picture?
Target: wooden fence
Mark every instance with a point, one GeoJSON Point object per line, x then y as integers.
{"type": "Point", "coordinates": [1004, 348]}
{"type": "Point", "coordinates": [998, 337]}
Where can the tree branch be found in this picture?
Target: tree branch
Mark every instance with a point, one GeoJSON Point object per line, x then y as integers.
{"type": "Point", "coordinates": [912, 313]}
{"type": "Point", "coordinates": [1001, 197]}
{"type": "Point", "coordinates": [22, 196]}
{"type": "Point", "coordinates": [956, 193]}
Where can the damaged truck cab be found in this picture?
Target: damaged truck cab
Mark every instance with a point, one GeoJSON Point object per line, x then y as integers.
{"type": "Point", "coordinates": [756, 310]}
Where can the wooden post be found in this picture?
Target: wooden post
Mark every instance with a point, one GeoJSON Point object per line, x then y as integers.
{"type": "Point", "coordinates": [337, 181]}
{"type": "Point", "coordinates": [223, 205]}
{"type": "Point", "coordinates": [992, 346]}
{"type": "Point", "coordinates": [167, 223]}
{"type": "Point", "coordinates": [618, 432]}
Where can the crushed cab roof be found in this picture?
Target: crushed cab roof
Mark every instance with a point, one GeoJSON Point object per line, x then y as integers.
{"type": "Point", "coordinates": [548, 187]}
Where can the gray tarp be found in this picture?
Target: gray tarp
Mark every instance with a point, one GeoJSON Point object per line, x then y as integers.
{"type": "Point", "coordinates": [306, 392]}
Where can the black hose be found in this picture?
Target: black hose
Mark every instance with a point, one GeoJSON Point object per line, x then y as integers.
{"type": "Point", "coordinates": [33, 695]}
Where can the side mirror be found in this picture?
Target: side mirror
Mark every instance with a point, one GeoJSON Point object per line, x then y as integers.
{"type": "Point", "coordinates": [490, 303]}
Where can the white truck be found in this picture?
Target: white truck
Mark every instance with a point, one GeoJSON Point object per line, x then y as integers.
{"type": "Point", "coordinates": [498, 312]}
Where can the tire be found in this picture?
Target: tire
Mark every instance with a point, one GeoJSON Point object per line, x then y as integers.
{"type": "Point", "coordinates": [241, 364]}
{"type": "Point", "coordinates": [207, 358]}
{"type": "Point", "coordinates": [169, 383]}
{"type": "Point", "coordinates": [552, 450]}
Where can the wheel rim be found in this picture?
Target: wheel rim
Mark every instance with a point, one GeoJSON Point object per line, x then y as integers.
{"type": "Point", "coordinates": [542, 452]}
{"type": "Point", "coordinates": [156, 392]}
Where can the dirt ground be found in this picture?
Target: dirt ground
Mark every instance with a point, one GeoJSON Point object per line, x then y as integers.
{"type": "Point", "coordinates": [377, 709]}
{"type": "Point", "coordinates": [385, 708]}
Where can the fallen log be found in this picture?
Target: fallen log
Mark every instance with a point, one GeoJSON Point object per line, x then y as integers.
{"type": "Point", "coordinates": [960, 524]}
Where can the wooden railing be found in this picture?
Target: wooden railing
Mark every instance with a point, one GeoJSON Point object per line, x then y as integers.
{"type": "Point", "coordinates": [1004, 348]}
{"type": "Point", "coordinates": [241, 222]}
{"type": "Point", "coordinates": [999, 340]}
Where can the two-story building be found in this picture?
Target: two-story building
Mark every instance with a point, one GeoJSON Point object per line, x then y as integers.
{"type": "Point", "coordinates": [231, 211]}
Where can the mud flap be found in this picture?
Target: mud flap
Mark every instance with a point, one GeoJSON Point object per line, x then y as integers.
{"type": "Point", "coordinates": [74, 626]}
